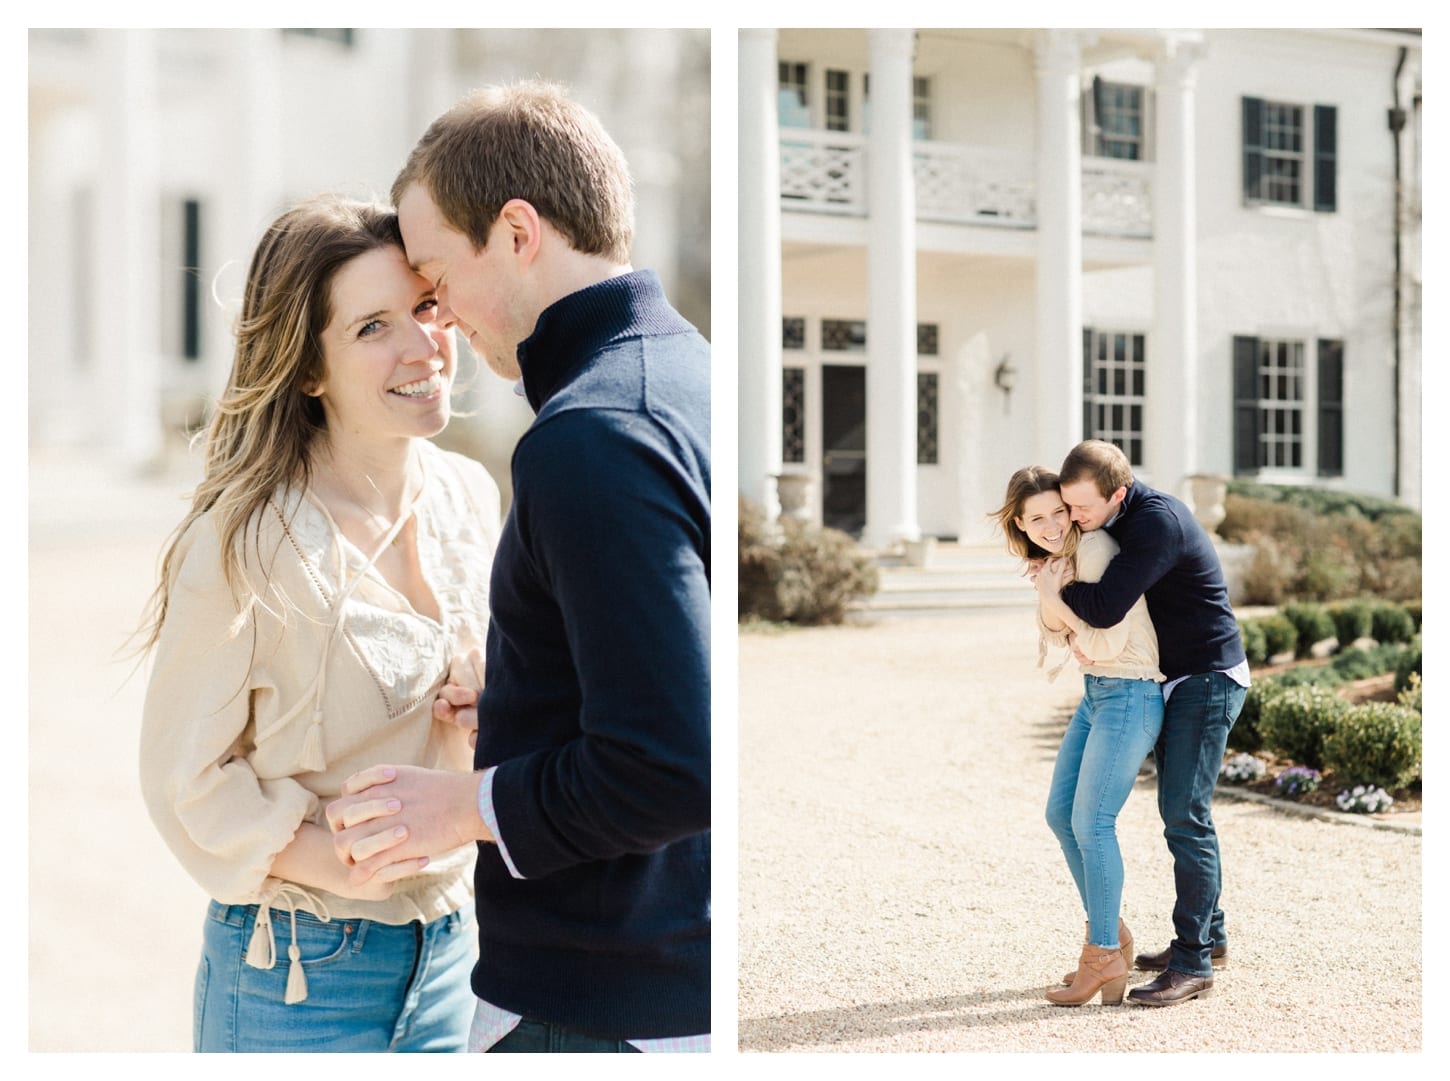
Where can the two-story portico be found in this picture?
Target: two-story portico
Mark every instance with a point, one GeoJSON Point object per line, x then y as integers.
{"type": "Point", "coordinates": [963, 250]}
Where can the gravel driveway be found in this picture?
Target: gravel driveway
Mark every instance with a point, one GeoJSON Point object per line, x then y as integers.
{"type": "Point", "coordinates": [900, 890]}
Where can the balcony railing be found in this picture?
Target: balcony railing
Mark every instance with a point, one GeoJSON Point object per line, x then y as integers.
{"type": "Point", "coordinates": [824, 172]}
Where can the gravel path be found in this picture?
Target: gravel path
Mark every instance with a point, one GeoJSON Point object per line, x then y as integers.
{"type": "Point", "coordinates": [900, 891]}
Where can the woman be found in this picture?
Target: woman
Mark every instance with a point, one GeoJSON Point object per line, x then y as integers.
{"type": "Point", "coordinates": [1114, 728]}
{"type": "Point", "coordinates": [331, 572]}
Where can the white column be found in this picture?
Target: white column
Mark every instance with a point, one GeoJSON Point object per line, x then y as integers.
{"type": "Point", "coordinates": [891, 297]}
{"type": "Point", "coordinates": [1055, 387]}
{"type": "Point", "coordinates": [128, 247]}
{"type": "Point", "coordinates": [247, 185]}
{"type": "Point", "coordinates": [759, 272]}
{"type": "Point", "coordinates": [1171, 389]}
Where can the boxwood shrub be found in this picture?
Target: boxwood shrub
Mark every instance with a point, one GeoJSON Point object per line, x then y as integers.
{"type": "Point", "coordinates": [1377, 743]}
{"type": "Point", "coordinates": [1295, 722]}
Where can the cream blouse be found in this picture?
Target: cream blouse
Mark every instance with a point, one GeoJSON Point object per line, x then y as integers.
{"type": "Point", "coordinates": [250, 730]}
{"type": "Point", "coordinates": [1126, 650]}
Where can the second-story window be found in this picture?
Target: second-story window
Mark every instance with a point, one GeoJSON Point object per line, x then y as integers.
{"type": "Point", "coordinates": [838, 101]}
{"type": "Point", "coordinates": [1289, 154]}
{"type": "Point", "coordinates": [793, 105]}
{"type": "Point", "coordinates": [1118, 121]}
{"type": "Point", "coordinates": [920, 107]}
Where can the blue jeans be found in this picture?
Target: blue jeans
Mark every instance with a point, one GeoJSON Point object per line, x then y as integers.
{"type": "Point", "coordinates": [1115, 726]}
{"type": "Point", "coordinates": [370, 986]}
{"type": "Point", "coordinates": [1189, 754]}
{"type": "Point", "coordinates": [544, 1036]}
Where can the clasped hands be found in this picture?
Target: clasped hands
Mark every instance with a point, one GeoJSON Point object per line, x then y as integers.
{"type": "Point", "coordinates": [1050, 574]}
{"type": "Point", "coordinates": [390, 820]}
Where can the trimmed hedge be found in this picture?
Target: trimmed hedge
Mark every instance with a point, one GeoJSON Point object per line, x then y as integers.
{"type": "Point", "coordinates": [1377, 743]}
{"type": "Point", "coordinates": [1296, 722]}
{"type": "Point", "coordinates": [1312, 622]}
{"type": "Point", "coordinates": [1319, 545]}
{"type": "Point", "coordinates": [1392, 623]}
{"type": "Point", "coordinates": [1352, 621]}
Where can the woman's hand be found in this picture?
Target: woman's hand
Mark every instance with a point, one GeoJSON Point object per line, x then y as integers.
{"type": "Point", "coordinates": [457, 701]}
{"type": "Point", "coordinates": [1054, 575]}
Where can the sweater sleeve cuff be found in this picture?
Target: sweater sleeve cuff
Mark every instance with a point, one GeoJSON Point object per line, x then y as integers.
{"type": "Point", "coordinates": [490, 818]}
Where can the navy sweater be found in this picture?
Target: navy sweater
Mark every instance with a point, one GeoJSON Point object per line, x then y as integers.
{"type": "Point", "coordinates": [596, 704]}
{"type": "Point", "coordinates": [1166, 557]}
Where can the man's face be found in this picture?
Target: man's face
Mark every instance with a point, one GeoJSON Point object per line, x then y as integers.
{"type": "Point", "coordinates": [477, 289]}
{"type": "Point", "coordinates": [1089, 509]}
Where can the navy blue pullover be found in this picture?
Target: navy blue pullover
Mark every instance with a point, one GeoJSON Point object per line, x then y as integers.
{"type": "Point", "coordinates": [596, 702]}
{"type": "Point", "coordinates": [1166, 557]}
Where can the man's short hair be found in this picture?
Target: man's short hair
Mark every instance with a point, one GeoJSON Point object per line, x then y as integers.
{"type": "Point", "coordinates": [529, 141]}
{"type": "Point", "coordinates": [1103, 463]}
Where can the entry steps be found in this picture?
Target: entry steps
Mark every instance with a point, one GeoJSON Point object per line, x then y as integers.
{"type": "Point", "coordinates": [953, 576]}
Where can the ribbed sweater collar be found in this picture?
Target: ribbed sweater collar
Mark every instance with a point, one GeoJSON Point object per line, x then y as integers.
{"type": "Point", "coordinates": [577, 326]}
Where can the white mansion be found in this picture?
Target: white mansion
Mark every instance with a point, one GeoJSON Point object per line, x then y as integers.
{"type": "Point", "coordinates": [963, 250]}
{"type": "Point", "coordinates": [157, 156]}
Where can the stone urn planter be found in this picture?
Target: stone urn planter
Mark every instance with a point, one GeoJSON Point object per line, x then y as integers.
{"type": "Point", "coordinates": [1206, 493]}
{"type": "Point", "coordinates": [796, 492]}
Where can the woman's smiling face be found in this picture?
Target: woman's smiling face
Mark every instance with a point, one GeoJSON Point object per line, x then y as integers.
{"type": "Point", "coordinates": [388, 360]}
{"type": "Point", "coordinates": [1046, 520]}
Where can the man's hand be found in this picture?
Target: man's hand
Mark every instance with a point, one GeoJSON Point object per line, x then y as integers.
{"type": "Point", "coordinates": [1082, 658]}
{"type": "Point", "coordinates": [391, 815]}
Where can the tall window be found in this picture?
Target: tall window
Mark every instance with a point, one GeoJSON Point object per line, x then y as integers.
{"type": "Point", "coordinates": [838, 101]}
{"type": "Point", "coordinates": [793, 105]}
{"type": "Point", "coordinates": [1118, 121]}
{"type": "Point", "coordinates": [793, 415]}
{"type": "Point", "coordinates": [920, 107]}
{"type": "Point", "coordinates": [1287, 415]}
{"type": "Point", "coordinates": [793, 392]}
{"type": "Point", "coordinates": [1289, 154]}
{"type": "Point", "coordinates": [928, 402]}
{"type": "Point", "coordinates": [1114, 370]}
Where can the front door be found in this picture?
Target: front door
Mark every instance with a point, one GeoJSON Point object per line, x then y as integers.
{"type": "Point", "coordinates": [843, 447]}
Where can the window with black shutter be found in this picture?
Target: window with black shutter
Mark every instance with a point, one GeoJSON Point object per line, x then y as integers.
{"type": "Point", "coordinates": [1289, 154]}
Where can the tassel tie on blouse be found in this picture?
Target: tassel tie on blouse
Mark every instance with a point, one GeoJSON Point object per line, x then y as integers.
{"type": "Point", "coordinates": [262, 949]}
{"type": "Point", "coordinates": [312, 758]}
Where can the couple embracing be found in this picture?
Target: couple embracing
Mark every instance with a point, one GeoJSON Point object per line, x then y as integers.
{"type": "Point", "coordinates": [413, 843]}
{"type": "Point", "coordinates": [1129, 581]}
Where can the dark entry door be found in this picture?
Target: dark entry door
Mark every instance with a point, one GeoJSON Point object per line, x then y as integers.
{"type": "Point", "coordinates": [843, 447]}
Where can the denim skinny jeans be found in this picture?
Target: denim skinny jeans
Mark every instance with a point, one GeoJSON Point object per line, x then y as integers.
{"type": "Point", "coordinates": [1115, 726]}
{"type": "Point", "coordinates": [370, 986]}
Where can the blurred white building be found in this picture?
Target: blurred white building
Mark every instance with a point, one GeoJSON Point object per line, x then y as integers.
{"type": "Point", "coordinates": [156, 158]}
{"type": "Point", "coordinates": [963, 250]}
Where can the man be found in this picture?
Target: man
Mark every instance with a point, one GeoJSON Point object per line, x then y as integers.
{"type": "Point", "coordinates": [1166, 556]}
{"type": "Point", "coordinates": [591, 803]}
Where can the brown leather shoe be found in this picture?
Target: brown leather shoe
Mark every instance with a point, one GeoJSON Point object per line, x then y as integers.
{"type": "Point", "coordinates": [1125, 943]}
{"type": "Point", "coordinates": [1157, 962]}
{"type": "Point", "coordinates": [1097, 970]}
{"type": "Point", "coordinates": [1171, 987]}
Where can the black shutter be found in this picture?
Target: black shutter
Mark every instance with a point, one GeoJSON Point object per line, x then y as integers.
{"type": "Point", "coordinates": [1331, 408]}
{"type": "Point", "coordinates": [1097, 131]}
{"type": "Point", "coordinates": [1246, 405]}
{"type": "Point", "coordinates": [191, 280]}
{"type": "Point", "coordinates": [1325, 145]}
{"type": "Point", "coordinates": [1253, 148]}
{"type": "Point", "coordinates": [1087, 383]}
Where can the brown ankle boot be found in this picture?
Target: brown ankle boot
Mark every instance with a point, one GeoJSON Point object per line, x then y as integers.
{"type": "Point", "coordinates": [1097, 970]}
{"type": "Point", "coordinates": [1125, 943]}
